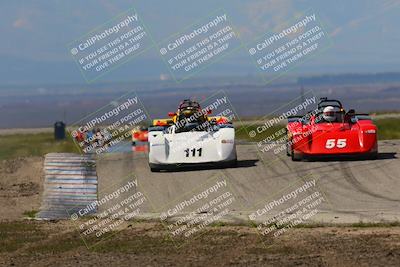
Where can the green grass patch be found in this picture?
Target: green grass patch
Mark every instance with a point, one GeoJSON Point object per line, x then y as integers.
{"type": "Point", "coordinates": [14, 235]}
{"type": "Point", "coordinates": [274, 133]}
{"type": "Point", "coordinates": [133, 244]}
{"type": "Point", "coordinates": [388, 128]}
{"type": "Point", "coordinates": [370, 224]}
{"type": "Point", "coordinates": [35, 237]}
{"type": "Point", "coordinates": [218, 224]}
{"type": "Point", "coordinates": [25, 145]}
{"type": "Point", "coordinates": [62, 243]}
{"type": "Point", "coordinates": [30, 213]}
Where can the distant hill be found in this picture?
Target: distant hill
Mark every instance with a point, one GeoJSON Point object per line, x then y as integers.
{"type": "Point", "coordinates": [350, 78]}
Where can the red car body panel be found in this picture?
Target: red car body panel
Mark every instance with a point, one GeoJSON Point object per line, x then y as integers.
{"type": "Point", "coordinates": [140, 135]}
{"type": "Point", "coordinates": [337, 138]}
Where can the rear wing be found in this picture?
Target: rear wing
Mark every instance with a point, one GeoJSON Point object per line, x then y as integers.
{"type": "Point", "coordinates": [220, 119]}
{"type": "Point", "coordinates": [169, 122]}
{"type": "Point", "coordinates": [156, 128]}
{"type": "Point", "coordinates": [324, 101]}
{"type": "Point", "coordinates": [162, 122]}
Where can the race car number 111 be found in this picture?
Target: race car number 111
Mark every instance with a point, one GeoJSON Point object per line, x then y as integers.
{"type": "Point", "coordinates": [192, 152]}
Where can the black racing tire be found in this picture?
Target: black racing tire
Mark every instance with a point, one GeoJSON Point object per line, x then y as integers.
{"type": "Point", "coordinates": [154, 167]}
{"type": "Point", "coordinates": [372, 155]}
{"type": "Point", "coordinates": [296, 156]}
{"type": "Point", "coordinates": [288, 150]}
{"type": "Point", "coordinates": [229, 164]}
{"type": "Point", "coordinates": [234, 163]}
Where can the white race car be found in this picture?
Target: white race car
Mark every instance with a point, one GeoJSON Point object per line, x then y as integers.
{"type": "Point", "coordinates": [191, 137]}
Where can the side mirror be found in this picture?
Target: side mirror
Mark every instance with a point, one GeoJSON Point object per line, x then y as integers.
{"type": "Point", "coordinates": [171, 114]}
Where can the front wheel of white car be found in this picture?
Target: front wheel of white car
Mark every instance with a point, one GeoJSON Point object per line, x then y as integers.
{"type": "Point", "coordinates": [235, 163]}
{"type": "Point", "coordinates": [154, 168]}
{"type": "Point", "coordinates": [230, 164]}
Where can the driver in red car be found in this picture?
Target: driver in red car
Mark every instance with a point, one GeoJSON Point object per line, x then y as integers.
{"type": "Point", "coordinates": [331, 114]}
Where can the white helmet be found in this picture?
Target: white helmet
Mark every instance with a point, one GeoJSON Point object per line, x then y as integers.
{"type": "Point", "coordinates": [329, 114]}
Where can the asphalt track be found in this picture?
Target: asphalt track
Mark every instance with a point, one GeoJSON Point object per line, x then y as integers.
{"type": "Point", "coordinates": [353, 190]}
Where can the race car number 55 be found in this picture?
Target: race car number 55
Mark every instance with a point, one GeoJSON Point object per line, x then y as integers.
{"type": "Point", "coordinates": [339, 143]}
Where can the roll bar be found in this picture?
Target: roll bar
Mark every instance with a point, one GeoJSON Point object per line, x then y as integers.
{"type": "Point", "coordinates": [333, 102]}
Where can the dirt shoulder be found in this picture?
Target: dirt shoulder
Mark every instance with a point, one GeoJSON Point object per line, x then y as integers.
{"type": "Point", "coordinates": [21, 186]}
{"type": "Point", "coordinates": [145, 244]}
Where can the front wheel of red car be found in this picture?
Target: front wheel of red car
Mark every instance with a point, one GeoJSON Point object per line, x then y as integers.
{"type": "Point", "coordinates": [373, 155]}
{"type": "Point", "coordinates": [296, 156]}
{"type": "Point", "coordinates": [288, 150]}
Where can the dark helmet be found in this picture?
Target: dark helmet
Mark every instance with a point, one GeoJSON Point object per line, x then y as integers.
{"type": "Point", "coordinates": [188, 107]}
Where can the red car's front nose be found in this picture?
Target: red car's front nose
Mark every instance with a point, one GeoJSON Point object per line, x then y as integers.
{"type": "Point", "coordinates": [338, 139]}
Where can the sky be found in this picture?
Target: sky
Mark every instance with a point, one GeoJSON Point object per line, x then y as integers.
{"type": "Point", "coordinates": [36, 34]}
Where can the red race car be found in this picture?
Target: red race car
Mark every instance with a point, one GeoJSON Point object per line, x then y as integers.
{"type": "Point", "coordinates": [330, 131]}
{"type": "Point", "coordinates": [139, 139]}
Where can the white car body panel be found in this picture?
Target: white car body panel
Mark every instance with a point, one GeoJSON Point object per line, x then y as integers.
{"type": "Point", "coordinates": [168, 147]}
